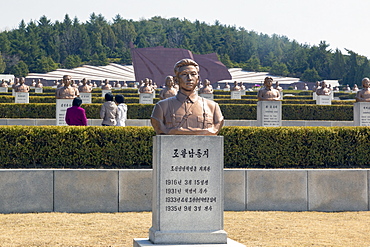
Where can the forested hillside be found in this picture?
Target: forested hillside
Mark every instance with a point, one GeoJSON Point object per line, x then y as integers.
{"type": "Point", "coordinates": [42, 46]}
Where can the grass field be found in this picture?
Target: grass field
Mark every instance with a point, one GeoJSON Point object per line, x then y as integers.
{"type": "Point", "coordinates": [251, 228]}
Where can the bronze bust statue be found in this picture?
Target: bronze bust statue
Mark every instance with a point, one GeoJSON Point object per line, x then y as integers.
{"type": "Point", "coordinates": [3, 83]}
{"type": "Point", "coordinates": [84, 88]}
{"type": "Point", "coordinates": [146, 86]}
{"type": "Point", "coordinates": [21, 87]}
{"type": "Point", "coordinates": [106, 85]}
{"type": "Point", "coordinates": [169, 90]}
{"type": "Point", "coordinates": [268, 93]}
{"type": "Point", "coordinates": [39, 84]}
{"type": "Point", "coordinates": [67, 91]}
{"type": "Point", "coordinates": [324, 90]}
{"type": "Point", "coordinates": [364, 94]}
{"type": "Point", "coordinates": [207, 88]}
{"type": "Point", "coordinates": [187, 113]}
{"type": "Point", "coordinates": [235, 87]}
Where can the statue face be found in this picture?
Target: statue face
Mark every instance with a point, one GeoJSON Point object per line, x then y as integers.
{"type": "Point", "coordinates": [188, 78]}
{"type": "Point", "coordinates": [67, 80]}
{"type": "Point", "coordinates": [366, 83]}
{"type": "Point", "coordinates": [169, 81]}
{"type": "Point", "coordinates": [268, 83]}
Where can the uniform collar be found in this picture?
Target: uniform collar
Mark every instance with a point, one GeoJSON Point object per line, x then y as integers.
{"type": "Point", "coordinates": [182, 97]}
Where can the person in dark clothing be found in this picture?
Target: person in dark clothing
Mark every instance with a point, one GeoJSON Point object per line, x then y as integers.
{"type": "Point", "coordinates": [76, 115]}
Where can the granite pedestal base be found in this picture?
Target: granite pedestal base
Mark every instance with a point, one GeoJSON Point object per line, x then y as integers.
{"type": "Point", "coordinates": [361, 114]}
{"type": "Point", "coordinates": [187, 190]}
{"type": "Point", "coordinates": [144, 242]}
{"type": "Point", "coordinates": [146, 98]}
{"type": "Point", "coordinates": [269, 113]}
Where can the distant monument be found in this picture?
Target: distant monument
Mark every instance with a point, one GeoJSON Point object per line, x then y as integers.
{"type": "Point", "coordinates": [146, 92]}
{"type": "Point", "coordinates": [85, 92]}
{"type": "Point", "coordinates": [84, 88]}
{"type": "Point", "coordinates": [269, 108]}
{"type": "Point", "coordinates": [207, 90]}
{"type": "Point", "coordinates": [21, 87]}
{"type": "Point", "coordinates": [67, 91]}
{"type": "Point", "coordinates": [323, 94]}
{"type": "Point", "coordinates": [226, 87]}
{"type": "Point", "coordinates": [64, 96]}
{"type": "Point", "coordinates": [323, 90]}
{"type": "Point", "coordinates": [268, 93]}
{"type": "Point", "coordinates": [106, 85]}
{"type": "Point", "coordinates": [169, 90]}
{"type": "Point", "coordinates": [3, 86]}
{"type": "Point", "coordinates": [39, 86]}
{"type": "Point", "coordinates": [21, 92]}
{"type": "Point", "coordinates": [236, 91]}
{"type": "Point", "coordinates": [361, 109]}
{"type": "Point", "coordinates": [364, 94]}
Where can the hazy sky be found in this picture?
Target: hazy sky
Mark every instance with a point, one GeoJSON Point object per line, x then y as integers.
{"type": "Point", "coordinates": [341, 23]}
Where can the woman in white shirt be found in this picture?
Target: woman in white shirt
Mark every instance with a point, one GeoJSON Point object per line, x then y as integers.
{"type": "Point", "coordinates": [121, 111]}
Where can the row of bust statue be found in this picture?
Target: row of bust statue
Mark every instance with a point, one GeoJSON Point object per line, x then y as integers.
{"type": "Point", "coordinates": [321, 88]}
{"type": "Point", "coordinates": [19, 85]}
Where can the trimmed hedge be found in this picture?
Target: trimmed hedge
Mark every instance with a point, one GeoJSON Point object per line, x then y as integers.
{"type": "Point", "coordinates": [75, 147]}
{"type": "Point", "coordinates": [297, 147]}
{"type": "Point", "coordinates": [131, 147]}
{"type": "Point", "coordinates": [230, 111]}
{"type": "Point", "coordinates": [129, 99]}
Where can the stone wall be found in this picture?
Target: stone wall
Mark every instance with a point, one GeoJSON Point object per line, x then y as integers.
{"type": "Point", "coordinates": [84, 191]}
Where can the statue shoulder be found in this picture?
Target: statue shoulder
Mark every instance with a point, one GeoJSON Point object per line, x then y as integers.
{"type": "Point", "coordinates": [210, 103]}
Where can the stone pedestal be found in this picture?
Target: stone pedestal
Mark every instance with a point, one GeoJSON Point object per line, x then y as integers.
{"type": "Point", "coordinates": [323, 99]}
{"type": "Point", "coordinates": [361, 114]}
{"type": "Point", "coordinates": [281, 95]}
{"type": "Point", "coordinates": [39, 90]}
{"type": "Point", "coordinates": [61, 109]}
{"type": "Point", "coordinates": [22, 97]}
{"type": "Point", "coordinates": [236, 94]}
{"type": "Point", "coordinates": [187, 190]}
{"type": "Point", "coordinates": [314, 96]}
{"type": "Point", "coordinates": [207, 96]}
{"type": "Point", "coordinates": [146, 98]}
{"type": "Point", "coordinates": [269, 113]}
{"type": "Point", "coordinates": [3, 89]}
{"type": "Point", "coordinates": [144, 242]}
{"type": "Point", "coordinates": [86, 98]}
{"type": "Point", "coordinates": [104, 92]}
{"type": "Point", "coordinates": [226, 89]}
{"type": "Point", "coordinates": [13, 92]}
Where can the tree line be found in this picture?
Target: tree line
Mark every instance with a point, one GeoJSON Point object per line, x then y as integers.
{"type": "Point", "coordinates": [42, 46]}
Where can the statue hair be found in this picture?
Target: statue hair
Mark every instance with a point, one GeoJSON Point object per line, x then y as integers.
{"type": "Point", "coordinates": [185, 62]}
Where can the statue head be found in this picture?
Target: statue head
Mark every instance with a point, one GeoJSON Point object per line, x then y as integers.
{"type": "Point", "coordinates": [206, 82]}
{"type": "Point", "coordinates": [187, 74]}
{"type": "Point", "coordinates": [323, 84]}
{"type": "Point", "coordinates": [67, 80]}
{"type": "Point", "coordinates": [365, 82]}
{"type": "Point", "coordinates": [169, 81]}
{"type": "Point", "coordinates": [268, 82]}
{"type": "Point", "coordinates": [22, 80]}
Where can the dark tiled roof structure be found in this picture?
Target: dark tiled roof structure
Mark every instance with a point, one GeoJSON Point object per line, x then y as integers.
{"type": "Point", "coordinates": [157, 62]}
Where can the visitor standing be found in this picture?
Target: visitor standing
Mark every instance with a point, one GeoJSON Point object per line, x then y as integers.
{"type": "Point", "coordinates": [76, 115]}
{"type": "Point", "coordinates": [121, 110]}
{"type": "Point", "coordinates": [108, 111]}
